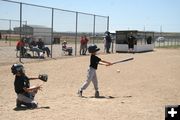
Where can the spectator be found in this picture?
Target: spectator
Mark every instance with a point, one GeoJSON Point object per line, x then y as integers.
{"type": "Point", "coordinates": [83, 46]}
{"type": "Point", "coordinates": [41, 46]}
{"type": "Point", "coordinates": [66, 49]}
{"type": "Point", "coordinates": [33, 47]}
{"type": "Point", "coordinates": [20, 46]}
{"type": "Point", "coordinates": [149, 40]}
{"type": "Point", "coordinates": [108, 41]}
{"type": "Point", "coordinates": [131, 42]}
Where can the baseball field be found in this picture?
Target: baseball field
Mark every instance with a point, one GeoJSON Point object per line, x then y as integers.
{"type": "Point", "coordinates": [139, 91]}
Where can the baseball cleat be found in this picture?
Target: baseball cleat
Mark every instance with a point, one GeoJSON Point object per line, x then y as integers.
{"type": "Point", "coordinates": [79, 93]}
{"type": "Point", "coordinates": [96, 94]}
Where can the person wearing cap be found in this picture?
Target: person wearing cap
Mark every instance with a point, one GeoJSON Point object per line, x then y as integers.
{"type": "Point", "coordinates": [108, 41]}
{"type": "Point", "coordinates": [94, 61]}
{"type": "Point", "coordinates": [66, 49]}
{"type": "Point", "coordinates": [131, 42]}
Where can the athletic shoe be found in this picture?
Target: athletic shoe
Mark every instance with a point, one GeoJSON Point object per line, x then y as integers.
{"type": "Point", "coordinates": [18, 103]}
{"type": "Point", "coordinates": [96, 94]}
{"type": "Point", "coordinates": [79, 93]}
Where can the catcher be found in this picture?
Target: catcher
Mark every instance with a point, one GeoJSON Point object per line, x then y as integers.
{"type": "Point", "coordinates": [25, 93]}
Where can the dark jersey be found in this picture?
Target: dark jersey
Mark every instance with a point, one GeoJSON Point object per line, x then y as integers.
{"type": "Point", "coordinates": [94, 61]}
{"type": "Point", "coordinates": [131, 40]}
{"type": "Point", "coordinates": [108, 39]}
{"type": "Point", "coordinates": [21, 82]}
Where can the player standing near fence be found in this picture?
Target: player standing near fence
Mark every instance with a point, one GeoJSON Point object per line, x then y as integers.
{"type": "Point", "coordinates": [91, 76]}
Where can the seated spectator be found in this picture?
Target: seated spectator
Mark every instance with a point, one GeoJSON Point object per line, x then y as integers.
{"type": "Point", "coordinates": [33, 47]}
{"type": "Point", "coordinates": [66, 49]}
{"type": "Point", "coordinates": [41, 46]}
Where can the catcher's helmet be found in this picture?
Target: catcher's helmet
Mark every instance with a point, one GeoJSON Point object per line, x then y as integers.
{"type": "Point", "coordinates": [93, 48]}
{"type": "Point", "coordinates": [17, 68]}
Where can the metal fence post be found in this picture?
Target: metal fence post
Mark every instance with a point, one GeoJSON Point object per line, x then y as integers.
{"type": "Point", "coordinates": [9, 32]}
{"type": "Point", "coordinates": [20, 31]}
{"type": "Point", "coordinates": [52, 27]}
{"type": "Point", "coordinates": [108, 23]}
{"type": "Point", "coordinates": [76, 33]}
{"type": "Point", "coordinates": [112, 45]}
{"type": "Point", "coordinates": [94, 27]}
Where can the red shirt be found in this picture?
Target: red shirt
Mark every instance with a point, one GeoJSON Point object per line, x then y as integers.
{"type": "Point", "coordinates": [20, 44]}
{"type": "Point", "coordinates": [84, 40]}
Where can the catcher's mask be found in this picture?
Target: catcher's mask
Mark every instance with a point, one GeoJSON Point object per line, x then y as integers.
{"type": "Point", "coordinates": [93, 48]}
{"type": "Point", "coordinates": [17, 68]}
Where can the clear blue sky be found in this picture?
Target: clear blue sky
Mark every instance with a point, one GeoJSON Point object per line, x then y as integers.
{"type": "Point", "coordinates": [126, 14]}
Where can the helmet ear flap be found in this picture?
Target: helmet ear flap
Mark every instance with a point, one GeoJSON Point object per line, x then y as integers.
{"type": "Point", "coordinates": [13, 70]}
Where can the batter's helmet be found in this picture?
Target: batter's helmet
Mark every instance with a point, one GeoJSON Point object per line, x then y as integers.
{"type": "Point", "coordinates": [93, 48]}
{"type": "Point", "coordinates": [17, 68]}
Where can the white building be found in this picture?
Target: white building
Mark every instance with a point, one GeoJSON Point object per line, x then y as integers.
{"type": "Point", "coordinates": [144, 41]}
{"type": "Point", "coordinates": [37, 31]}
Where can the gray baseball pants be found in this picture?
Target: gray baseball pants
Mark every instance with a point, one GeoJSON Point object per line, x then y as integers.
{"type": "Point", "coordinates": [26, 99]}
{"type": "Point", "coordinates": [91, 76]}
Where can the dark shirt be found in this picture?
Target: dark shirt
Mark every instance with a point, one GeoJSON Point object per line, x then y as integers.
{"type": "Point", "coordinates": [131, 40]}
{"type": "Point", "coordinates": [33, 44]}
{"type": "Point", "coordinates": [94, 61]}
{"type": "Point", "coordinates": [21, 82]}
{"type": "Point", "coordinates": [40, 45]}
{"type": "Point", "coordinates": [108, 39]}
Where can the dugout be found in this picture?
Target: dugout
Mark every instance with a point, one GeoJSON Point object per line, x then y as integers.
{"type": "Point", "coordinates": [144, 41]}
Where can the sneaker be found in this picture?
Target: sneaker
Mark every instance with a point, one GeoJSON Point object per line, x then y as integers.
{"type": "Point", "coordinates": [79, 93]}
{"type": "Point", "coordinates": [96, 94]}
{"type": "Point", "coordinates": [18, 103]}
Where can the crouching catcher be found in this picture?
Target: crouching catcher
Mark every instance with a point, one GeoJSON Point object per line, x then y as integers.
{"type": "Point", "coordinates": [25, 93]}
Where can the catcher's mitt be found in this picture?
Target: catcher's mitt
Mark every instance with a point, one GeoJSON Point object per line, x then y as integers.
{"type": "Point", "coordinates": [43, 77]}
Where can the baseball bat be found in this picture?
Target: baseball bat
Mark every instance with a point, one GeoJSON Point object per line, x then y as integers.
{"type": "Point", "coordinates": [123, 60]}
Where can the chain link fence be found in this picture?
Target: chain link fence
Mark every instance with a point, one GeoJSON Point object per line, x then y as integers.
{"type": "Point", "coordinates": [52, 25]}
{"type": "Point", "coordinates": [160, 37]}
{"type": "Point", "coordinates": [164, 39]}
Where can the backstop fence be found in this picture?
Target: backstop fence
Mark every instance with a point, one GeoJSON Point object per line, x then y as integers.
{"type": "Point", "coordinates": [53, 25]}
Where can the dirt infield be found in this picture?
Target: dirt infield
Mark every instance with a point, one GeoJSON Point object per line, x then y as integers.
{"type": "Point", "coordinates": [139, 91]}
